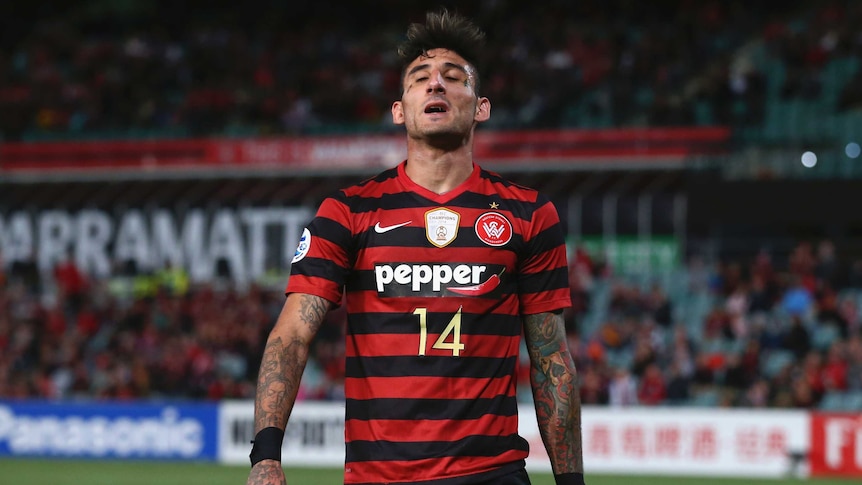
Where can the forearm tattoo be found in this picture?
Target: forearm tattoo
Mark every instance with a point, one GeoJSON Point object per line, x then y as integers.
{"type": "Point", "coordinates": [282, 365]}
{"type": "Point", "coordinates": [266, 474]}
{"type": "Point", "coordinates": [555, 391]}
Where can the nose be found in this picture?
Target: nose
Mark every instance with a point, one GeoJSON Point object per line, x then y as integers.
{"type": "Point", "coordinates": [436, 83]}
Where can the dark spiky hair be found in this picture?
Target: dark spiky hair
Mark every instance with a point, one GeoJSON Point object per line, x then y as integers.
{"type": "Point", "coordinates": [443, 30]}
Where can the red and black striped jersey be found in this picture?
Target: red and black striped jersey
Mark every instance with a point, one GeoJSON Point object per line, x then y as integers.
{"type": "Point", "coordinates": [434, 288]}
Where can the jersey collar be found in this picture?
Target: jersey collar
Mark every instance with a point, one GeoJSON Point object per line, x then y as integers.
{"type": "Point", "coordinates": [412, 186]}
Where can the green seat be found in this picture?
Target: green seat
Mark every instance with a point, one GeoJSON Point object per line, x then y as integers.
{"type": "Point", "coordinates": [824, 335]}
{"type": "Point", "coordinates": [775, 361]}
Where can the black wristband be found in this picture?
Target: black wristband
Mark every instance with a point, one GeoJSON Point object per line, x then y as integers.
{"type": "Point", "coordinates": [266, 445]}
{"type": "Point", "coordinates": [569, 479]}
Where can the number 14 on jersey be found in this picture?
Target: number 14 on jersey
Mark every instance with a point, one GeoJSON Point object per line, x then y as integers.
{"type": "Point", "coordinates": [443, 342]}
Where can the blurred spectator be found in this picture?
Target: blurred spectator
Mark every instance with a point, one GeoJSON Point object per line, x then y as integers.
{"type": "Point", "coordinates": [854, 363]}
{"type": "Point", "coordinates": [826, 269]}
{"type": "Point", "coordinates": [828, 312]}
{"type": "Point", "coordinates": [703, 376]}
{"type": "Point", "coordinates": [855, 276]}
{"type": "Point", "coordinates": [812, 373]}
{"type": "Point", "coordinates": [757, 395]}
{"type": "Point", "coordinates": [750, 359]}
{"type": "Point", "coordinates": [797, 338]}
{"type": "Point", "coordinates": [623, 389]}
{"type": "Point", "coordinates": [644, 357]}
{"type": "Point", "coordinates": [581, 276]}
{"type": "Point", "coordinates": [849, 311]}
{"type": "Point", "coordinates": [594, 386]}
{"type": "Point", "coordinates": [833, 373]}
{"type": "Point", "coordinates": [717, 324]}
{"type": "Point", "coordinates": [760, 298]}
{"type": "Point", "coordinates": [71, 283]}
{"type": "Point", "coordinates": [798, 300]}
{"type": "Point", "coordinates": [652, 387]}
{"type": "Point", "coordinates": [737, 307]}
{"type": "Point", "coordinates": [802, 395]}
{"type": "Point", "coordinates": [204, 341]}
{"type": "Point", "coordinates": [26, 272]}
{"type": "Point", "coordinates": [678, 385]}
{"type": "Point", "coordinates": [736, 376]}
{"type": "Point", "coordinates": [660, 306]}
{"type": "Point", "coordinates": [682, 351]}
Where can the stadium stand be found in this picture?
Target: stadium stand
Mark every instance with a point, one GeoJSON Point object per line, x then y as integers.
{"type": "Point", "coordinates": [269, 68]}
{"type": "Point", "coordinates": [772, 322]}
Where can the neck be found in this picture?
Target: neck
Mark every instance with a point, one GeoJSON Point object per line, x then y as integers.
{"type": "Point", "coordinates": [438, 170]}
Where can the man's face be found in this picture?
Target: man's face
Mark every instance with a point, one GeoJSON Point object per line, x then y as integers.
{"type": "Point", "coordinates": [439, 97]}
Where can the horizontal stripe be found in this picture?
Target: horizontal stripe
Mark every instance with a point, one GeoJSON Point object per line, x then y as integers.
{"type": "Point", "coordinates": [373, 201]}
{"type": "Point", "coordinates": [429, 430]}
{"type": "Point", "coordinates": [549, 239]}
{"type": "Point", "coordinates": [429, 365]}
{"type": "Point", "coordinates": [329, 224]}
{"type": "Point", "coordinates": [386, 190]}
{"type": "Point", "coordinates": [479, 253]}
{"type": "Point", "coordinates": [540, 303]}
{"type": "Point", "coordinates": [359, 451]}
{"type": "Point", "coordinates": [512, 207]}
{"type": "Point", "coordinates": [383, 320]}
{"type": "Point", "coordinates": [495, 178]}
{"type": "Point", "coordinates": [392, 312]}
{"type": "Point", "coordinates": [323, 268]}
{"type": "Point", "coordinates": [324, 248]}
{"type": "Point", "coordinates": [381, 345]}
{"type": "Point", "coordinates": [416, 215]}
{"type": "Point", "coordinates": [415, 237]}
{"type": "Point", "coordinates": [434, 471]}
{"type": "Point", "coordinates": [424, 387]}
{"type": "Point", "coordinates": [548, 280]}
{"type": "Point", "coordinates": [314, 286]}
{"type": "Point", "coordinates": [380, 178]}
{"type": "Point", "coordinates": [440, 409]}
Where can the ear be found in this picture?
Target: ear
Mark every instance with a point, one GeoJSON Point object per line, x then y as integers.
{"type": "Point", "coordinates": [398, 113]}
{"type": "Point", "coordinates": [483, 110]}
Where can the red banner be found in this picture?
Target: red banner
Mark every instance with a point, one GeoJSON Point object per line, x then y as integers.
{"type": "Point", "coordinates": [836, 445]}
{"type": "Point", "coordinates": [643, 146]}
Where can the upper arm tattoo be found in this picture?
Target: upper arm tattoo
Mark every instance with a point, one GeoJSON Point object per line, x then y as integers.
{"type": "Point", "coordinates": [555, 391]}
{"type": "Point", "coordinates": [313, 310]}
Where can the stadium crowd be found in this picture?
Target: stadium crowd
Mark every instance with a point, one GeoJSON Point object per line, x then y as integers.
{"type": "Point", "coordinates": [82, 72]}
{"type": "Point", "coordinates": [772, 334]}
{"type": "Point", "coordinates": [756, 333]}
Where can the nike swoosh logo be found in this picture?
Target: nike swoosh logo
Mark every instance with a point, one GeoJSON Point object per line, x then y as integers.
{"type": "Point", "coordinates": [381, 229]}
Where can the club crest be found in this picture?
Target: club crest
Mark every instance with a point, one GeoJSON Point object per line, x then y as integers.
{"type": "Point", "coordinates": [441, 226]}
{"type": "Point", "coordinates": [493, 229]}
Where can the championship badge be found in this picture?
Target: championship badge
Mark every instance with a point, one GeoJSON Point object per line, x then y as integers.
{"type": "Point", "coordinates": [441, 226]}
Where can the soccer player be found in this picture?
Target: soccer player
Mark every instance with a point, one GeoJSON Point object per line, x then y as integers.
{"type": "Point", "coordinates": [443, 266]}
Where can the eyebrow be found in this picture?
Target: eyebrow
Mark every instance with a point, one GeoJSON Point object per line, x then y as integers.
{"type": "Point", "coordinates": [450, 65]}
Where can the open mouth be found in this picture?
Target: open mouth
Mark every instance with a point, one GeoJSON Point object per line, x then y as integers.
{"type": "Point", "coordinates": [436, 108]}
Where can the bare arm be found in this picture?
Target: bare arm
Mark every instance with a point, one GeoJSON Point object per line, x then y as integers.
{"type": "Point", "coordinates": [281, 368]}
{"type": "Point", "coordinates": [555, 391]}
